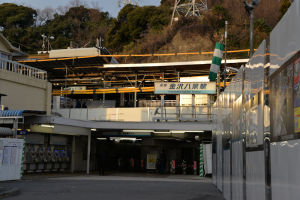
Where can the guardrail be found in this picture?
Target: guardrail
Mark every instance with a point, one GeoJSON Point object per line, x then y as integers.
{"type": "Point", "coordinates": [22, 69]}
{"type": "Point", "coordinates": [139, 114]}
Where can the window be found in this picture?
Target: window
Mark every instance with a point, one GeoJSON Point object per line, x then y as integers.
{"type": "Point", "coordinates": [285, 101]}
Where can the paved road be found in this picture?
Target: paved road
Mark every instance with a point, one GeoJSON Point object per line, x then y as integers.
{"type": "Point", "coordinates": [115, 188]}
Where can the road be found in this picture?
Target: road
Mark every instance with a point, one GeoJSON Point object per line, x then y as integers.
{"type": "Point", "coordinates": [115, 188]}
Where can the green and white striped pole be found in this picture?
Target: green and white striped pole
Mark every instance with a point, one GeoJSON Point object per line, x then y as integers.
{"type": "Point", "coordinates": [216, 61]}
{"type": "Point", "coordinates": [201, 162]}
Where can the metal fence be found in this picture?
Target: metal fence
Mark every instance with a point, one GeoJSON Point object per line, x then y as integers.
{"type": "Point", "coordinates": [139, 114]}
{"type": "Point", "coordinates": [22, 69]}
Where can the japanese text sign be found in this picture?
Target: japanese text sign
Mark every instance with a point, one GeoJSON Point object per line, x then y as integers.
{"type": "Point", "coordinates": [185, 88]}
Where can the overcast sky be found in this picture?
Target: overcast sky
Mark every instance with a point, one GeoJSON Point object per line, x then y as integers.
{"type": "Point", "coordinates": [107, 5]}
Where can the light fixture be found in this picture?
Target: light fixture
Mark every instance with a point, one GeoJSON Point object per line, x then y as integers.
{"type": "Point", "coordinates": [162, 132]}
{"type": "Point", "coordinates": [195, 131]}
{"type": "Point", "coordinates": [47, 126]}
{"type": "Point", "coordinates": [118, 139]}
{"type": "Point", "coordinates": [178, 132]}
{"type": "Point", "coordinates": [101, 138]}
{"type": "Point", "coordinates": [93, 129]}
{"type": "Point", "coordinates": [138, 131]}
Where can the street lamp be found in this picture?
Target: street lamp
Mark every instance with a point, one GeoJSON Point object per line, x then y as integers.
{"type": "Point", "coordinates": [47, 39]}
{"type": "Point", "coordinates": [250, 10]}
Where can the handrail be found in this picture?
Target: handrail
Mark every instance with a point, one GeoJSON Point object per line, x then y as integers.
{"type": "Point", "coordinates": [143, 114]}
{"type": "Point", "coordinates": [19, 68]}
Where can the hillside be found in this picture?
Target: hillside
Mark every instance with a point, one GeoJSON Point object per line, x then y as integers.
{"type": "Point", "coordinates": [139, 29]}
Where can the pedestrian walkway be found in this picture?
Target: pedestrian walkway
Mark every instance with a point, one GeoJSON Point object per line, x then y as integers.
{"type": "Point", "coordinates": [7, 191]}
{"type": "Point", "coordinates": [116, 187]}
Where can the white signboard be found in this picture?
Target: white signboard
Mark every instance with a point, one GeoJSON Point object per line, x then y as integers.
{"type": "Point", "coordinates": [11, 156]}
{"type": "Point", "coordinates": [185, 88]}
{"type": "Point", "coordinates": [151, 161]}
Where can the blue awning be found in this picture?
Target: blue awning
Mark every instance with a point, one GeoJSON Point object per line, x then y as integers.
{"type": "Point", "coordinates": [11, 113]}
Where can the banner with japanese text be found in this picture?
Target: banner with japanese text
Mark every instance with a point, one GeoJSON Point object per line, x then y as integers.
{"type": "Point", "coordinates": [185, 88]}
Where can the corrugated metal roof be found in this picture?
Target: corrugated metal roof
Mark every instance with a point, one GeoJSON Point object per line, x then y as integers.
{"type": "Point", "coordinates": [11, 113]}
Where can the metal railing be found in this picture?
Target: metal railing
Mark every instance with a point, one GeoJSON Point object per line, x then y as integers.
{"type": "Point", "coordinates": [139, 114]}
{"type": "Point", "coordinates": [19, 68]}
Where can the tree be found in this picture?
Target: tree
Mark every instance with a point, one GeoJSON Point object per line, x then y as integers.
{"type": "Point", "coordinates": [44, 15]}
{"type": "Point", "coordinates": [133, 22]}
{"type": "Point", "coordinates": [14, 16]}
{"type": "Point", "coordinates": [285, 4]}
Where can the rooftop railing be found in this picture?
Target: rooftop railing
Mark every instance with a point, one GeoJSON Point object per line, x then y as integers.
{"type": "Point", "coordinates": [19, 68]}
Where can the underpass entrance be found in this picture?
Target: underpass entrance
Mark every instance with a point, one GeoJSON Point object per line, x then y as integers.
{"type": "Point", "coordinates": [151, 154]}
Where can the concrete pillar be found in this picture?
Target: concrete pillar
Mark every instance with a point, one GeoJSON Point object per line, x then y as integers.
{"type": "Point", "coordinates": [73, 154]}
{"type": "Point", "coordinates": [48, 98]}
{"type": "Point", "coordinates": [15, 128]}
{"type": "Point", "coordinates": [56, 102]}
{"type": "Point", "coordinates": [88, 154]}
{"type": "Point", "coordinates": [122, 99]}
{"type": "Point", "coordinates": [162, 106]}
{"type": "Point", "coordinates": [194, 106]}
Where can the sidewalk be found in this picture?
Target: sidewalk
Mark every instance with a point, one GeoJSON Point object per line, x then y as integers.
{"type": "Point", "coordinates": [118, 175]}
{"type": "Point", "coordinates": [8, 191]}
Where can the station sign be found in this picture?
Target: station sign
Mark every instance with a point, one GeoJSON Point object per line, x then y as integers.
{"type": "Point", "coordinates": [185, 88]}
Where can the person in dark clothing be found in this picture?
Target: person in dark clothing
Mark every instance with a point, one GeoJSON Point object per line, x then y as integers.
{"type": "Point", "coordinates": [101, 163]}
{"type": "Point", "coordinates": [163, 161]}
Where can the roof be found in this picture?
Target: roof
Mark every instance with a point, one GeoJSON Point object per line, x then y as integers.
{"type": "Point", "coordinates": [15, 51]}
{"type": "Point", "coordinates": [174, 64]}
{"type": "Point", "coordinates": [20, 113]}
{"type": "Point", "coordinates": [11, 113]}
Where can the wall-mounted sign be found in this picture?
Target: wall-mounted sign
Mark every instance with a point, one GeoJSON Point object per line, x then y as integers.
{"type": "Point", "coordinates": [185, 88]}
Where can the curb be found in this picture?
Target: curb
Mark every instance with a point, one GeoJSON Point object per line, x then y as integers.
{"type": "Point", "coordinates": [8, 192]}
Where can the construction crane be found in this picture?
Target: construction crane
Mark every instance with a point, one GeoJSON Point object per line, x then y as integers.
{"type": "Point", "coordinates": [187, 8]}
{"type": "Point", "coordinates": [122, 3]}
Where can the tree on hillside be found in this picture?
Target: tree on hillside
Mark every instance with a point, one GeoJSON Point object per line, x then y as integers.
{"type": "Point", "coordinates": [17, 21]}
{"type": "Point", "coordinates": [167, 2]}
{"type": "Point", "coordinates": [14, 16]}
{"type": "Point", "coordinates": [81, 25]}
{"type": "Point", "coordinates": [44, 15]}
{"type": "Point", "coordinates": [285, 4]}
{"type": "Point", "coordinates": [133, 22]}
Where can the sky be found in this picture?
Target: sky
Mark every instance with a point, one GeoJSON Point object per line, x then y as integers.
{"type": "Point", "coordinates": [106, 5]}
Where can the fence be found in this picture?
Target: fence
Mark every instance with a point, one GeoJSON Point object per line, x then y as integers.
{"type": "Point", "coordinates": [140, 114]}
{"type": "Point", "coordinates": [22, 69]}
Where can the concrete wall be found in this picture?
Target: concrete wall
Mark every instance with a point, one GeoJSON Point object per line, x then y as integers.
{"type": "Point", "coordinates": [25, 93]}
{"type": "Point", "coordinates": [79, 153]}
{"type": "Point", "coordinates": [73, 52]}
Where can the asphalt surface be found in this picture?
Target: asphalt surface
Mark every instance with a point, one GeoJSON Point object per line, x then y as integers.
{"type": "Point", "coordinates": [115, 188]}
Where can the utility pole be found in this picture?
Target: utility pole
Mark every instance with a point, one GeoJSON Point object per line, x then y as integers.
{"type": "Point", "coordinates": [224, 72]}
{"type": "Point", "coordinates": [135, 93]}
{"type": "Point", "coordinates": [251, 32]}
{"type": "Point", "coordinates": [250, 10]}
